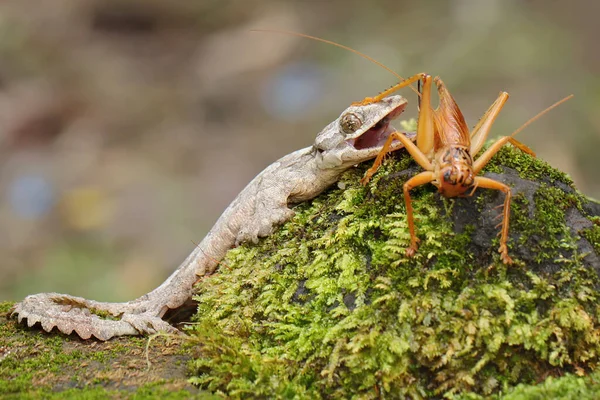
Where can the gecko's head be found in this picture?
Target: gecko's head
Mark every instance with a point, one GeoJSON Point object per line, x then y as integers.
{"type": "Point", "coordinates": [359, 133]}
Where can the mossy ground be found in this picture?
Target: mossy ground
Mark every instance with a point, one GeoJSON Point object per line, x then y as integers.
{"type": "Point", "coordinates": [329, 306]}
{"type": "Point", "coordinates": [35, 365]}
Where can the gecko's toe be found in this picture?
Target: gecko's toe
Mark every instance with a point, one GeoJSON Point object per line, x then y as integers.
{"type": "Point", "coordinates": [274, 218]}
{"type": "Point", "coordinates": [246, 235]}
{"type": "Point", "coordinates": [70, 314]}
{"type": "Point", "coordinates": [263, 224]}
{"type": "Point", "coordinates": [34, 310]}
{"type": "Point", "coordinates": [148, 324]}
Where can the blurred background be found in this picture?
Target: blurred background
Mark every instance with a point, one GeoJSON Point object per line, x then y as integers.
{"type": "Point", "coordinates": [127, 126]}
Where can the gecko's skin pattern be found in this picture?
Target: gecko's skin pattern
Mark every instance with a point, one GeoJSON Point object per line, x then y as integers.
{"type": "Point", "coordinates": [356, 136]}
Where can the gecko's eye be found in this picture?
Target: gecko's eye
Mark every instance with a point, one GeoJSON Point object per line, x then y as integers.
{"type": "Point", "coordinates": [350, 123]}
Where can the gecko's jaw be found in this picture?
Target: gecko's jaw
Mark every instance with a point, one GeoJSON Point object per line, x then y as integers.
{"type": "Point", "coordinates": [375, 137]}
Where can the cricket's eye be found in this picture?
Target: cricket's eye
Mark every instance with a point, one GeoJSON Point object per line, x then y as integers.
{"type": "Point", "coordinates": [350, 123]}
{"type": "Point", "coordinates": [449, 176]}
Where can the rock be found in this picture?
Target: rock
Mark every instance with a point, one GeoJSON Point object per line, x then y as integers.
{"type": "Point", "coordinates": [330, 307]}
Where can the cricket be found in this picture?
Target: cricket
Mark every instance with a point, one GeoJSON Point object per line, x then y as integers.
{"type": "Point", "coordinates": [445, 147]}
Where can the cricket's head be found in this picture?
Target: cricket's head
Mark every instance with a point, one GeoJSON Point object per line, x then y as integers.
{"type": "Point", "coordinates": [455, 171]}
{"type": "Point", "coordinates": [359, 133]}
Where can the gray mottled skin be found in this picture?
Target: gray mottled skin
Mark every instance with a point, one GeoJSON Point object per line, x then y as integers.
{"type": "Point", "coordinates": [254, 213]}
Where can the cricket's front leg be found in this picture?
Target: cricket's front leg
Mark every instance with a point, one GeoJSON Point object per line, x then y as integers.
{"type": "Point", "coordinates": [425, 133]}
{"type": "Point", "coordinates": [492, 184]}
{"type": "Point", "coordinates": [414, 151]}
{"type": "Point", "coordinates": [417, 180]}
{"type": "Point", "coordinates": [393, 89]}
{"type": "Point", "coordinates": [384, 150]}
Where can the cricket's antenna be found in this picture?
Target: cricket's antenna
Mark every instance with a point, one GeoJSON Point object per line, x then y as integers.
{"type": "Point", "coordinates": [540, 114]}
{"type": "Point", "coordinates": [337, 45]}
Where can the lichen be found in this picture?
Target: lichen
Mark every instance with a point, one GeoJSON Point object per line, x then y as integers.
{"type": "Point", "coordinates": [329, 306]}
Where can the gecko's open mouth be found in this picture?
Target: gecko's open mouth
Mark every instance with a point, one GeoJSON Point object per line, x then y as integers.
{"type": "Point", "coordinates": [376, 135]}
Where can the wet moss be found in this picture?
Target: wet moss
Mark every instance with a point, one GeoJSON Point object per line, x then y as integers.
{"type": "Point", "coordinates": [329, 306]}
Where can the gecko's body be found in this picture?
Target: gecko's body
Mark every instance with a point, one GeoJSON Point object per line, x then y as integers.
{"type": "Point", "coordinates": [356, 136]}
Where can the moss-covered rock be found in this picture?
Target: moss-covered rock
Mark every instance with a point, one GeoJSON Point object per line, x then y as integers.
{"type": "Point", "coordinates": [329, 306]}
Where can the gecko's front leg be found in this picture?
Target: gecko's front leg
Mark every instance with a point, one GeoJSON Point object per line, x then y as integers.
{"type": "Point", "coordinates": [266, 204]}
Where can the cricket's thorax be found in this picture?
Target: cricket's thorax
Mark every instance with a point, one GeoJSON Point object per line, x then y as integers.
{"type": "Point", "coordinates": [455, 170]}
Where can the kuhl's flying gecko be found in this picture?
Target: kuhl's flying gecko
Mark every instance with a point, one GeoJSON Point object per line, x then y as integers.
{"type": "Point", "coordinates": [356, 136]}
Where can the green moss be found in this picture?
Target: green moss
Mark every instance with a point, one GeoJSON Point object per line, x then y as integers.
{"type": "Point", "coordinates": [103, 314]}
{"type": "Point", "coordinates": [35, 365]}
{"type": "Point", "coordinates": [527, 166]}
{"type": "Point", "coordinates": [593, 234]}
{"type": "Point", "coordinates": [5, 306]}
{"type": "Point", "coordinates": [149, 391]}
{"type": "Point", "coordinates": [329, 306]}
{"type": "Point", "coordinates": [546, 235]}
{"type": "Point", "coordinates": [568, 387]}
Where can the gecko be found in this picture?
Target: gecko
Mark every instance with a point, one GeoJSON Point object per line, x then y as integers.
{"type": "Point", "coordinates": [357, 135]}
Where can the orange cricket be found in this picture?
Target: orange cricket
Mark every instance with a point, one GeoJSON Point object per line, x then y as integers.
{"type": "Point", "coordinates": [445, 150]}
{"type": "Point", "coordinates": [445, 147]}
